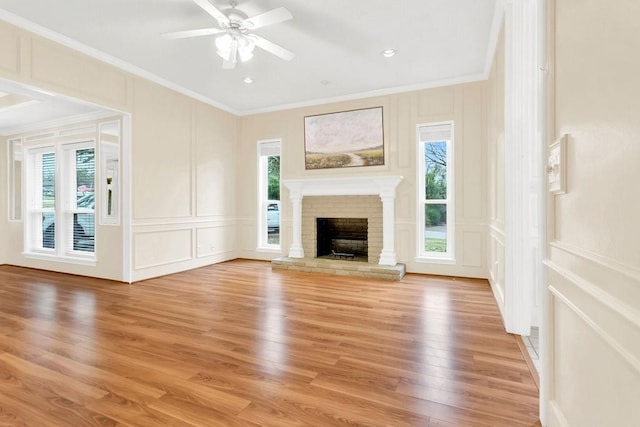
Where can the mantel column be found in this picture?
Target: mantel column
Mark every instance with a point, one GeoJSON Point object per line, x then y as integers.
{"type": "Point", "coordinates": [388, 254]}
{"type": "Point", "coordinates": [296, 250]}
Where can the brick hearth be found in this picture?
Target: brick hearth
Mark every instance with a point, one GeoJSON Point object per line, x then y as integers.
{"type": "Point", "coordinates": [341, 268]}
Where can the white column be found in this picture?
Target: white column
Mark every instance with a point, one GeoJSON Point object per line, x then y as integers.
{"type": "Point", "coordinates": [388, 254]}
{"type": "Point", "coordinates": [296, 250]}
{"type": "Point", "coordinates": [523, 163]}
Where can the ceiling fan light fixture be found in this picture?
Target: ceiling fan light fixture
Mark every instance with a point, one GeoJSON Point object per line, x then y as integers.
{"type": "Point", "coordinates": [245, 55]}
{"type": "Point", "coordinates": [224, 42]}
{"type": "Point", "coordinates": [234, 41]}
{"type": "Point", "coordinates": [231, 46]}
{"type": "Point", "coordinates": [388, 53]}
{"type": "Point", "coordinates": [245, 48]}
{"type": "Point", "coordinates": [224, 45]}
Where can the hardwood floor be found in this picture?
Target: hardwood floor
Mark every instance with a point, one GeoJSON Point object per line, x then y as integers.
{"type": "Point", "coordinates": [237, 344]}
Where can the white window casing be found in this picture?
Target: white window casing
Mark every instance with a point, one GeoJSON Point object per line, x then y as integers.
{"type": "Point", "coordinates": [60, 210]}
{"type": "Point", "coordinates": [269, 209]}
{"type": "Point", "coordinates": [436, 211]}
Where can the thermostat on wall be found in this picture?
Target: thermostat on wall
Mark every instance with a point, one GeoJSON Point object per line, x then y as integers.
{"type": "Point", "coordinates": [557, 165]}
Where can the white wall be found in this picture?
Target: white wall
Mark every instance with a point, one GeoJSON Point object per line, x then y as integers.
{"type": "Point", "coordinates": [496, 170]}
{"type": "Point", "coordinates": [3, 200]}
{"type": "Point", "coordinates": [465, 104]}
{"type": "Point", "coordinates": [183, 182]}
{"type": "Point", "coordinates": [181, 151]}
{"type": "Point", "coordinates": [593, 264]}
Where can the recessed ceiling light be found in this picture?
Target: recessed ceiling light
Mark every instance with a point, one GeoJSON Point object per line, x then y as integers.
{"type": "Point", "coordinates": [247, 80]}
{"type": "Point", "coordinates": [388, 53]}
{"type": "Point", "coordinates": [324, 82]}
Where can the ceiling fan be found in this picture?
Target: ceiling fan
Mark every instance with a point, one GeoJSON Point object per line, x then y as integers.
{"type": "Point", "coordinates": [235, 41]}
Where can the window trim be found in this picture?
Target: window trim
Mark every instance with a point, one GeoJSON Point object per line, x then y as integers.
{"type": "Point", "coordinates": [63, 149]}
{"type": "Point", "coordinates": [447, 257]}
{"type": "Point", "coordinates": [14, 156]}
{"type": "Point", "coordinates": [69, 201]}
{"type": "Point", "coordinates": [33, 203]}
{"type": "Point", "coordinates": [263, 201]}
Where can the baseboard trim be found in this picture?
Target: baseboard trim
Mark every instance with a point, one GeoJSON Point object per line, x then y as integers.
{"type": "Point", "coordinates": [528, 360]}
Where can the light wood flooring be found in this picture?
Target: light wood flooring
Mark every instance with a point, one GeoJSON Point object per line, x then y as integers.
{"type": "Point", "coordinates": [239, 344]}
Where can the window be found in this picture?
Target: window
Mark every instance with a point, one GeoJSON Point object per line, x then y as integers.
{"type": "Point", "coordinates": [15, 180]}
{"type": "Point", "coordinates": [60, 200]}
{"type": "Point", "coordinates": [435, 208]}
{"type": "Point", "coordinates": [82, 206]}
{"type": "Point", "coordinates": [269, 194]}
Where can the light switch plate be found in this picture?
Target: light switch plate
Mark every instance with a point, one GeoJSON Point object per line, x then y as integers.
{"type": "Point", "coordinates": [557, 165]}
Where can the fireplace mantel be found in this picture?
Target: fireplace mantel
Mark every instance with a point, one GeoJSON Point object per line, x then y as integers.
{"type": "Point", "coordinates": [383, 186]}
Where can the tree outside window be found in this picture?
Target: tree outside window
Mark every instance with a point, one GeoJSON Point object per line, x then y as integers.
{"type": "Point", "coordinates": [436, 229]}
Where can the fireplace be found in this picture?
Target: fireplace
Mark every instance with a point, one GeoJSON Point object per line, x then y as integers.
{"type": "Point", "coordinates": [367, 210]}
{"type": "Point", "coordinates": [371, 198]}
{"type": "Point", "coordinates": [342, 238]}
{"type": "Point", "coordinates": [382, 188]}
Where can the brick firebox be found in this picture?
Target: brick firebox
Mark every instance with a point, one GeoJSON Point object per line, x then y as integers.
{"type": "Point", "coordinates": [369, 207]}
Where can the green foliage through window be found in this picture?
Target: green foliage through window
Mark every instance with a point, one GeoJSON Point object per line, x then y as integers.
{"type": "Point", "coordinates": [273, 170]}
{"type": "Point", "coordinates": [85, 170]}
{"type": "Point", "coordinates": [436, 238]}
{"type": "Point", "coordinates": [435, 215]}
{"type": "Point", "coordinates": [435, 167]}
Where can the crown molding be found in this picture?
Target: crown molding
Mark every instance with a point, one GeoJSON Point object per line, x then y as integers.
{"type": "Point", "coordinates": [39, 30]}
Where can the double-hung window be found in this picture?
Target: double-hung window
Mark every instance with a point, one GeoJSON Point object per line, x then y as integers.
{"type": "Point", "coordinates": [41, 200]}
{"type": "Point", "coordinates": [436, 217]}
{"type": "Point", "coordinates": [269, 195]}
{"type": "Point", "coordinates": [60, 200]}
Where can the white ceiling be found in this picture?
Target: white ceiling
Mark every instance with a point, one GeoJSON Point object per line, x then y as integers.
{"type": "Point", "coordinates": [335, 41]}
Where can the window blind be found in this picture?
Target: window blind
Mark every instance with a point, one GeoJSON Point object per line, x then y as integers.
{"type": "Point", "coordinates": [269, 148]}
{"type": "Point", "coordinates": [432, 133]}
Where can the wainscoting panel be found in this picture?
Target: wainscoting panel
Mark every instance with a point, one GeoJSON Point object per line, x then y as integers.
{"type": "Point", "coordinates": [405, 233]}
{"type": "Point", "coordinates": [596, 323]}
{"type": "Point", "coordinates": [470, 253]}
{"type": "Point", "coordinates": [474, 249]}
{"type": "Point", "coordinates": [162, 177]}
{"type": "Point", "coordinates": [469, 148]}
{"type": "Point", "coordinates": [213, 241]}
{"type": "Point", "coordinates": [247, 233]}
{"type": "Point", "coordinates": [406, 152]}
{"type": "Point", "coordinates": [9, 49]}
{"type": "Point", "coordinates": [405, 207]}
{"type": "Point", "coordinates": [496, 263]}
{"type": "Point", "coordinates": [61, 67]}
{"type": "Point", "coordinates": [436, 102]}
{"type": "Point", "coordinates": [213, 163]}
{"type": "Point", "coordinates": [155, 248]}
{"type": "Point", "coordinates": [161, 249]}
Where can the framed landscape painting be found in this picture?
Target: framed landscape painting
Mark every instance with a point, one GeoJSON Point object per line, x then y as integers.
{"type": "Point", "coordinates": [345, 139]}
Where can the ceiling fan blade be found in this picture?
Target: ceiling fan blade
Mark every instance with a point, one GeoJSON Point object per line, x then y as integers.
{"type": "Point", "coordinates": [273, 48]}
{"type": "Point", "coordinates": [211, 10]}
{"type": "Point", "coordinates": [272, 17]}
{"type": "Point", "coordinates": [191, 33]}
